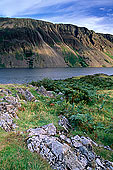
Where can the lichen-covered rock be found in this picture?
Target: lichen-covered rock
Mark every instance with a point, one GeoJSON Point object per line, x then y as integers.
{"type": "Point", "coordinates": [6, 122]}
{"type": "Point", "coordinates": [8, 108]}
{"type": "Point", "coordinates": [49, 130]}
{"type": "Point", "coordinates": [72, 161]}
{"type": "Point", "coordinates": [64, 153]}
{"type": "Point", "coordinates": [27, 95]}
{"type": "Point", "coordinates": [41, 90]}
{"type": "Point", "coordinates": [64, 123]}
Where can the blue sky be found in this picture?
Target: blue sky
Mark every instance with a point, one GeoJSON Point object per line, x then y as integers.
{"type": "Point", "coordinates": [96, 15]}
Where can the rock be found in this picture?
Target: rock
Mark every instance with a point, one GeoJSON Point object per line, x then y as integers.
{"type": "Point", "coordinates": [64, 123]}
{"type": "Point", "coordinates": [89, 168]}
{"type": "Point", "coordinates": [49, 129]}
{"type": "Point", "coordinates": [90, 155]}
{"type": "Point", "coordinates": [8, 110]}
{"type": "Point", "coordinates": [63, 137]}
{"type": "Point", "coordinates": [61, 156]}
{"type": "Point", "coordinates": [99, 163]}
{"type": "Point", "coordinates": [86, 142]}
{"type": "Point", "coordinates": [76, 141]}
{"type": "Point", "coordinates": [36, 132]}
{"type": "Point", "coordinates": [27, 95]}
{"type": "Point", "coordinates": [6, 122]}
{"type": "Point", "coordinates": [37, 101]}
{"type": "Point", "coordinates": [68, 140]}
{"type": "Point", "coordinates": [58, 149]}
{"type": "Point", "coordinates": [9, 107]}
{"type": "Point", "coordinates": [108, 148]}
{"type": "Point", "coordinates": [83, 160]}
{"type": "Point", "coordinates": [76, 144]}
{"type": "Point", "coordinates": [11, 99]}
{"type": "Point", "coordinates": [60, 94]}
{"type": "Point", "coordinates": [76, 138]}
{"type": "Point", "coordinates": [71, 161]}
{"type": "Point", "coordinates": [30, 147]}
{"type": "Point", "coordinates": [94, 143]}
{"type": "Point", "coordinates": [41, 90]}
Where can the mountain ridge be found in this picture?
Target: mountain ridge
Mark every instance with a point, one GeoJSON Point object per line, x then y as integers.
{"type": "Point", "coordinates": [29, 43]}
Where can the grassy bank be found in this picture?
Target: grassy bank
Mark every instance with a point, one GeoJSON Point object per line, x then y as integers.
{"type": "Point", "coordinates": [87, 102]}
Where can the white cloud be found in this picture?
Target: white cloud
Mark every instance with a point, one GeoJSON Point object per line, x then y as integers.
{"type": "Point", "coordinates": [16, 7]}
{"type": "Point", "coordinates": [109, 10]}
{"type": "Point", "coordinates": [79, 12]}
{"type": "Point", "coordinates": [98, 24]}
{"type": "Point", "coordinates": [102, 9]}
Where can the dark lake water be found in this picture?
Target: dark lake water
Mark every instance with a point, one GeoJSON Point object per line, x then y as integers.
{"type": "Point", "coordinates": [27, 75]}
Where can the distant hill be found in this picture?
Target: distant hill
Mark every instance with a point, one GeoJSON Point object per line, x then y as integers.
{"type": "Point", "coordinates": [28, 43]}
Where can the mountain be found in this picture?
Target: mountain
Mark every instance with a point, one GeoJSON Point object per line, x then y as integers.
{"type": "Point", "coordinates": [29, 43]}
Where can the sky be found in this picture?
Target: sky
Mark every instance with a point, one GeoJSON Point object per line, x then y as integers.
{"type": "Point", "coordinates": [96, 15]}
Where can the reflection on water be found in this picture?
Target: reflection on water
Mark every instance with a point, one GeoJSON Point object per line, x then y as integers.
{"type": "Point", "coordinates": [28, 75]}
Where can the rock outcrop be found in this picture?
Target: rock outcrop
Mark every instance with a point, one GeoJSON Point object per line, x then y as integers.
{"type": "Point", "coordinates": [26, 94]}
{"type": "Point", "coordinates": [8, 108]}
{"type": "Point", "coordinates": [28, 43]}
{"type": "Point", "coordinates": [41, 90]}
{"type": "Point", "coordinates": [64, 153]}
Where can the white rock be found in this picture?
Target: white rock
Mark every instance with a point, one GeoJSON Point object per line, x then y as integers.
{"type": "Point", "coordinates": [99, 163]}
{"type": "Point", "coordinates": [30, 147]}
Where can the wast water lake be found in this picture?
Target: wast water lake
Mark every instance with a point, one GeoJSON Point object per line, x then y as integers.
{"type": "Point", "coordinates": [27, 75]}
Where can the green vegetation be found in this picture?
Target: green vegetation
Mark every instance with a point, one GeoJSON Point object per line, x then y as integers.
{"type": "Point", "coordinates": [88, 105]}
{"type": "Point", "coordinates": [29, 57]}
{"type": "Point", "coordinates": [81, 60]}
{"type": "Point", "coordinates": [109, 54]}
{"type": "Point", "coordinates": [2, 65]}
{"type": "Point", "coordinates": [19, 56]}
{"type": "Point", "coordinates": [15, 156]}
{"type": "Point", "coordinates": [87, 102]}
{"type": "Point", "coordinates": [73, 60]}
{"type": "Point", "coordinates": [28, 54]}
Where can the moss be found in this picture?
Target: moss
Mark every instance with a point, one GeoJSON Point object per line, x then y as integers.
{"type": "Point", "coordinates": [109, 54]}
{"type": "Point", "coordinates": [104, 153]}
{"type": "Point", "coordinates": [2, 65]}
{"type": "Point", "coordinates": [103, 65]}
{"type": "Point", "coordinates": [19, 56]}
{"type": "Point", "coordinates": [73, 60]}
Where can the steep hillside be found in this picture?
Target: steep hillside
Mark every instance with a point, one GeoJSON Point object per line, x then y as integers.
{"type": "Point", "coordinates": [32, 43]}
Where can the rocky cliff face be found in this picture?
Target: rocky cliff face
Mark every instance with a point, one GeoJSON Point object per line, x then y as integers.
{"type": "Point", "coordinates": [32, 43]}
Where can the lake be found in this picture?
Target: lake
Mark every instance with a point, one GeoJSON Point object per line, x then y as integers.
{"type": "Point", "coordinates": [27, 75]}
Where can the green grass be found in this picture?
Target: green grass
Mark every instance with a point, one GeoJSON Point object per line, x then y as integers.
{"type": "Point", "coordinates": [69, 58]}
{"type": "Point", "coordinates": [73, 60]}
{"type": "Point", "coordinates": [107, 155]}
{"type": "Point", "coordinates": [2, 65]}
{"type": "Point", "coordinates": [14, 155]}
{"type": "Point", "coordinates": [108, 54]}
{"type": "Point", "coordinates": [88, 105]}
{"type": "Point", "coordinates": [19, 56]}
